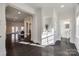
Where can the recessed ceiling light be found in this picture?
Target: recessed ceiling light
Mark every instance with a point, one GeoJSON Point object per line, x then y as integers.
{"type": "Point", "coordinates": [62, 6]}
{"type": "Point", "coordinates": [19, 12]}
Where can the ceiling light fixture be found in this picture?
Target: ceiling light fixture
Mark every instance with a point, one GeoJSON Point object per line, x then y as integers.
{"type": "Point", "coordinates": [19, 12]}
{"type": "Point", "coordinates": [62, 6]}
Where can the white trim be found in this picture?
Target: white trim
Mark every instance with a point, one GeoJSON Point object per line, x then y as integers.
{"type": "Point", "coordinates": [22, 7]}
{"type": "Point", "coordinates": [32, 44]}
{"type": "Point", "coordinates": [2, 53]}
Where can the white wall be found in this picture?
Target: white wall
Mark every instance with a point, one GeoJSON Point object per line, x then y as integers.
{"type": "Point", "coordinates": [73, 26]}
{"type": "Point", "coordinates": [47, 18]}
{"type": "Point", "coordinates": [62, 28]}
{"type": "Point", "coordinates": [77, 38]}
{"type": "Point", "coordinates": [2, 30]}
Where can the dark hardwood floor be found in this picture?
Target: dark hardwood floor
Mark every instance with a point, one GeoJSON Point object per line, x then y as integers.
{"type": "Point", "coordinates": [61, 48]}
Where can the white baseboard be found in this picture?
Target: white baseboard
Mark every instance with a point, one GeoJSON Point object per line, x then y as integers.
{"type": "Point", "coordinates": [2, 53]}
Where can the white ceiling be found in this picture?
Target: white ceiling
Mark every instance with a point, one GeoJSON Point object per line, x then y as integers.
{"type": "Point", "coordinates": [40, 5]}
{"type": "Point", "coordinates": [65, 12]}
{"type": "Point", "coordinates": [12, 14]}
{"type": "Point", "coordinates": [67, 6]}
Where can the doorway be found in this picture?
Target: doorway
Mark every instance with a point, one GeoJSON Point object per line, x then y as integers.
{"type": "Point", "coordinates": [18, 27]}
{"type": "Point", "coordinates": [65, 29]}
{"type": "Point", "coordinates": [48, 31]}
{"type": "Point", "coordinates": [17, 21]}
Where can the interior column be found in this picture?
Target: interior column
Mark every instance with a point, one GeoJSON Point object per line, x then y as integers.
{"type": "Point", "coordinates": [56, 26]}
{"type": "Point", "coordinates": [73, 28]}
{"type": "Point", "coordinates": [36, 27]}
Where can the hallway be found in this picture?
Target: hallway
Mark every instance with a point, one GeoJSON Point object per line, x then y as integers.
{"type": "Point", "coordinates": [62, 48]}
{"type": "Point", "coordinates": [54, 26]}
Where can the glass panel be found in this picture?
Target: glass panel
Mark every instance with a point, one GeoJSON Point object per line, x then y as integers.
{"type": "Point", "coordinates": [16, 33]}
{"type": "Point", "coordinates": [12, 29]}
{"type": "Point", "coordinates": [22, 28]}
{"type": "Point", "coordinates": [13, 36]}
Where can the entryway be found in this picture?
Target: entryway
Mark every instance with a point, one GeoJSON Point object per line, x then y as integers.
{"type": "Point", "coordinates": [18, 27]}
